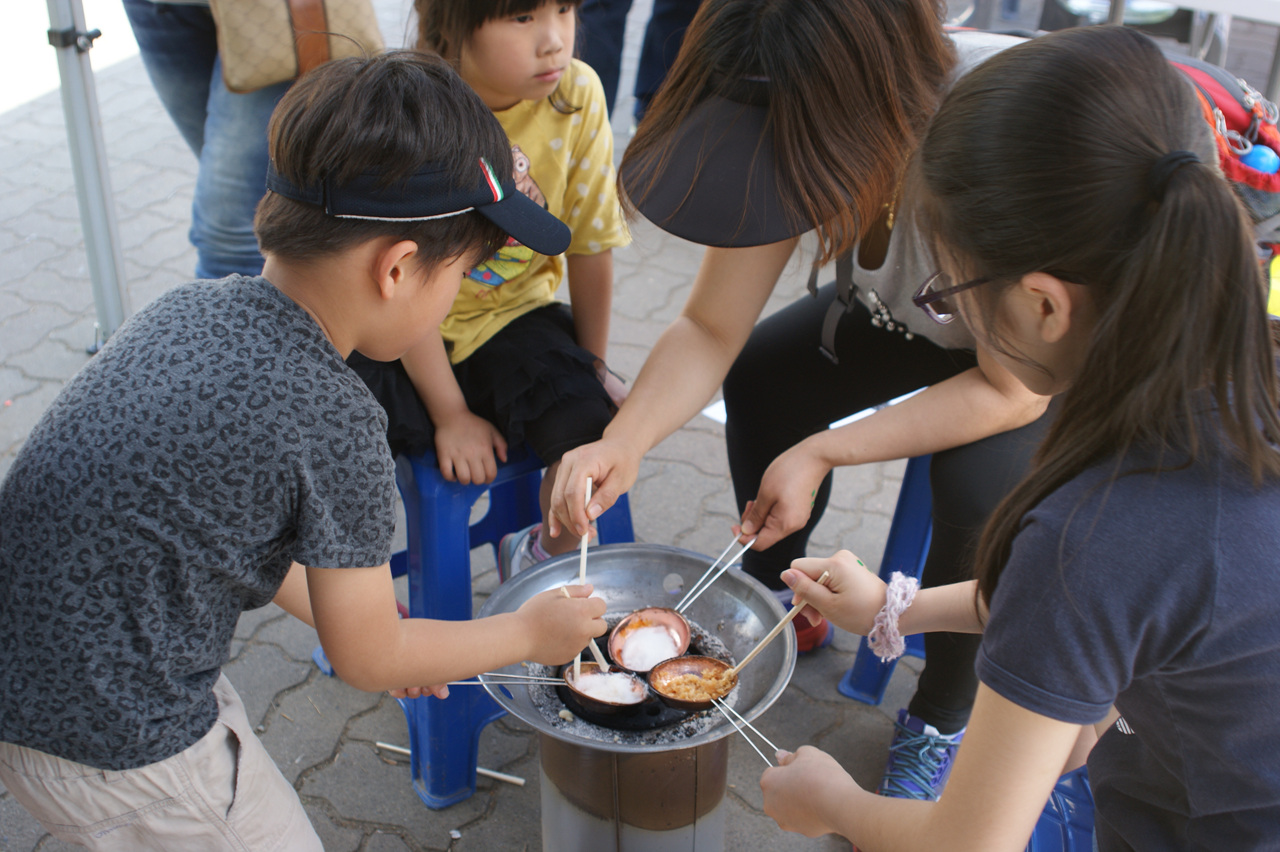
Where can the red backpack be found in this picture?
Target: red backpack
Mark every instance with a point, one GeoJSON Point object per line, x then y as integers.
{"type": "Point", "coordinates": [1241, 118]}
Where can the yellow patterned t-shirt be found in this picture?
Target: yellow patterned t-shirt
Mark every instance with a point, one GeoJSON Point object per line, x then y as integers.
{"type": "Point", "coordinates": [564, 161]}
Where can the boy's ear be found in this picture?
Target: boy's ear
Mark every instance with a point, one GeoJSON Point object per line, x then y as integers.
{"type": "Point", "coordinates": [393, 265]}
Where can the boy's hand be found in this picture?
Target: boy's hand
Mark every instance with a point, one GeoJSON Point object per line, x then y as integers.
{"type": "Point", "coordinates": [852, 596]}
{"type": "Point", "coordinates": [559, 627]}
{"type": "Point", "coordinates": [784, 501]}
{"type": "Point", "coordinates": [465, 448]}
{"type": "Point", "coordinates": [801, 790]}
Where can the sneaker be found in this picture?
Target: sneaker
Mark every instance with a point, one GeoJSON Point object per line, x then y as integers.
{"type": "Point", "coordinates": [920, 760]}
{"type": "Point", "coordinates": [515, 552]}
{"type": "Point", "coordinates": [809, 636]}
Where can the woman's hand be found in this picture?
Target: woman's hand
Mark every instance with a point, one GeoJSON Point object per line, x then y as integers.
{"type": "Point", "coordinates": [612, 466]}
{"type": "Point", "coordinates": [852, 596]}
{"type": "Point", "coordinates": [801, 790]}
{"type": "Point", "coordinates": [465, 447]}
{"type": "Point", "coordinates": [785, 499]}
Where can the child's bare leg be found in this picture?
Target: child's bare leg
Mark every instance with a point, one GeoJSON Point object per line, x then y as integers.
{"type": "Point", "coordinates": [567, 541]}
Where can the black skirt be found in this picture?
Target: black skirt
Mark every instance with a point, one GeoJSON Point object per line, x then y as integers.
{"type": "Point", "coordinates": [531, 380]}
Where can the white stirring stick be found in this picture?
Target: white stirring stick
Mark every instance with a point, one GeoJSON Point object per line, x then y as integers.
{"type": "Point", "coordinates": [725, 567]}
{"type": "Point", "coordinates": [706, 574]}
{"type": "Point", "coordinates": [582, 581]}
{"type": "Point", "coordinates": [724, 705]}
{"type": "Point", "coordinates": [721, 707]}
{"type": "Point", "coordinates": [773, 634]}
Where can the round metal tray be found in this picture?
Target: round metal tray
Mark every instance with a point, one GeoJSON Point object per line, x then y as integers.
{"type": "Point", "coordinates": [737, 609]}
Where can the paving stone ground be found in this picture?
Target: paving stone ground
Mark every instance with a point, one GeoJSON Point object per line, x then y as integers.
{"type": "Point", "coordinates": [319, 730]}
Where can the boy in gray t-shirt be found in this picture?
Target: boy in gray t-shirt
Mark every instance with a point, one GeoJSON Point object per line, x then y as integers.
{"type": "Point", "coordinates": [217, 445]}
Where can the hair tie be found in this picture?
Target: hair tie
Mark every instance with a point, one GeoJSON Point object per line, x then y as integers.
{"type": "Point", "coordinates": [1162, 170]}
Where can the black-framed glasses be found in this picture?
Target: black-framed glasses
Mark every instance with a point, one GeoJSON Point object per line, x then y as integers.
{"type": "Point", "coordinates": [934, 296]}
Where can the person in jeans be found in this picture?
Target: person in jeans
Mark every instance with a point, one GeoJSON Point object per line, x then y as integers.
{"type": "Point", "coordinates": [226, 131]}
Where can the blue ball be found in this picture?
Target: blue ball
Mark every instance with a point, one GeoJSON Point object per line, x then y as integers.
{"type": "Point", "coordinates": [1263, 159]}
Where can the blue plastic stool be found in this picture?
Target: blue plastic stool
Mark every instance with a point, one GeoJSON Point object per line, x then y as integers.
{"type": "Point", "coordinates": [1066, 825]}
{"type": "Point", "coordinates": [905, 551]}
{"type": "Point", "coordinates": [444, 736]}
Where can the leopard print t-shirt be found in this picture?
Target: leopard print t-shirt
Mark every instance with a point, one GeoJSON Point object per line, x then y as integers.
{"type": "Point", "coordinates": [217, 437]}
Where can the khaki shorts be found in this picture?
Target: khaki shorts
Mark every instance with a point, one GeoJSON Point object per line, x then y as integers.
{"type": "Point", "coordinates": [222, 793]}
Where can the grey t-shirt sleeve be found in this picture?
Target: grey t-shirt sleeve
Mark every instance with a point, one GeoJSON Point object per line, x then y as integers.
{"type": "Point", "coordinates": [346, 508]}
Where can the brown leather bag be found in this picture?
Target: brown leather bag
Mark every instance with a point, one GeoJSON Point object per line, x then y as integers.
{"type": "Point", "coordinates": [263, 42]}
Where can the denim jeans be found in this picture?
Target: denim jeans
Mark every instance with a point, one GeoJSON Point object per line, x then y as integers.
{"type": "Point", "coordinates": [601, 37]}
{"type": "Point", "coordinates": [227, 132]}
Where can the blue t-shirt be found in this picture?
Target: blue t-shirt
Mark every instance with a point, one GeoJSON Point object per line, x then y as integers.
{"type": "Point", "coordinates": [1160, 594]}
{"type": "Point", "coordinates": [215, 438]}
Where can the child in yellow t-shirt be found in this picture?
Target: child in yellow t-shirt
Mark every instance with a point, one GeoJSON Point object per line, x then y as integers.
{"type": "Point", "coordinates": [510, 364]}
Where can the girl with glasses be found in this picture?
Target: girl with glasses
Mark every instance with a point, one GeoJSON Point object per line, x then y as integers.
{"type": "Point", "coordinates": [1072, 183]}
{"type": "Point", "coordinates": [778, 119]}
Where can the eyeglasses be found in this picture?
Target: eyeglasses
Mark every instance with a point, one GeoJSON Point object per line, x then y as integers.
{"type": "Point", "coordinates": [934, 296]}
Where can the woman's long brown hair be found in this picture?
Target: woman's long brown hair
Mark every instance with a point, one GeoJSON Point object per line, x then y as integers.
{"type": "Point", "coordinates": [852, 85]}
{"type": "Point", "coordinates": [1041, 160]}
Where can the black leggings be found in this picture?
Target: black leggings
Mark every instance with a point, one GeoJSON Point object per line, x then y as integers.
{"type": "Point", "coordinates": [782, 389]}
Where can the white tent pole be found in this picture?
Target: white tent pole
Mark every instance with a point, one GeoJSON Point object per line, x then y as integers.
{"type": "Point", "coordinates": [89, 162]}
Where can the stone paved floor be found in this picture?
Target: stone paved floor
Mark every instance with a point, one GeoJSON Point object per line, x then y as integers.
{"type": "Point", "coordinates": [320, 731]}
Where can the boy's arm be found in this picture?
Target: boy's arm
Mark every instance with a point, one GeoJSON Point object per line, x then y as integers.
{"type": "Point", "coordinates": [373, 649]}
{"type": "Point", "coordinates": [591, 297]}
{"type": "Point", "coordinates": [293, 597]}
{"type": "Point", "coordinates": [465, 442]}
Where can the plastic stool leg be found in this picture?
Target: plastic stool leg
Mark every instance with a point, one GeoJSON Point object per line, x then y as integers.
{"type": "Point", "coordinates": [614, 526]}
{"type": "Point", "coordinates": [904, 551]}
{"type": "Point", "coordinates": [444, 735]}
{"type": "Point", "coordinates": [1066, 824]}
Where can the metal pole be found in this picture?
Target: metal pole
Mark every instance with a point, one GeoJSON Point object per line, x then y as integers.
{"type": "Point", "coordinates": [89, 163]}
{"type": "Point", "coordinates": [1115, 14]}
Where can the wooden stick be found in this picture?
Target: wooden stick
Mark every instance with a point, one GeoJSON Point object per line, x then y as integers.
{"type": "Point", "coordinates": [582, 581]}
{"type": "Point", "coordinates": [773, 634]}
{"type": "Point", "coordinates": [600, 660]}
{"type": "Point", "coordinates": [595, 650]}
{"type": "Point", "coordinates": [582, 559]}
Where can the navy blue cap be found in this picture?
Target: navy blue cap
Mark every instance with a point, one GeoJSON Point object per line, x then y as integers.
{"type": "Point", "coordinates": [430, 193]}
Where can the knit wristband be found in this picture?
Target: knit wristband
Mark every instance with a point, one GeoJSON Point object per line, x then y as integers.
{"type": "Point", "coordinates": [884, 638]}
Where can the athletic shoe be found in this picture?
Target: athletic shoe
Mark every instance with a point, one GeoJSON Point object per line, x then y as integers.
{"type": "Point", "coordinates": [920, 760]}
{"type": "Point", "coordinates": [515, 552]}
{"type": "Point", "coordinates": [809, 637]}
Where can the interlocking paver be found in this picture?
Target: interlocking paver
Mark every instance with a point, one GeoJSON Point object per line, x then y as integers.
{"type": "Point", "coordinates": [319, 730]}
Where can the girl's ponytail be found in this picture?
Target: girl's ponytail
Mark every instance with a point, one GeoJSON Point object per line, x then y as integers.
{"type": "Point", "coordinates": [1082, 154]}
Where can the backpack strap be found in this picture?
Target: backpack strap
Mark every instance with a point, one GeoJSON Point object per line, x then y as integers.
{"type": "Point", "coordinates": [846, 296]}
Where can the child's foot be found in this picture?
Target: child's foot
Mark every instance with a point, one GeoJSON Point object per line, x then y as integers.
{"type": "Point", "coordinates": [810, 636]}
{"type": "Point", "coordinates": [520, 550]}
{"type": "Point", "coordinates": [920, 760]}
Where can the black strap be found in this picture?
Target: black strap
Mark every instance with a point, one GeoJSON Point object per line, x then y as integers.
{"type": "Point", "coordinates": [846, 295]}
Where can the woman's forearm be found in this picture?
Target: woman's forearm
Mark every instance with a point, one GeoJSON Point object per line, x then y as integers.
{"type": "Point", "coordinates": [965, 408]}
{"type": "Point", "coordinates": [944, 609]}
{"type": "Point", "coordinates": [691, 358]}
